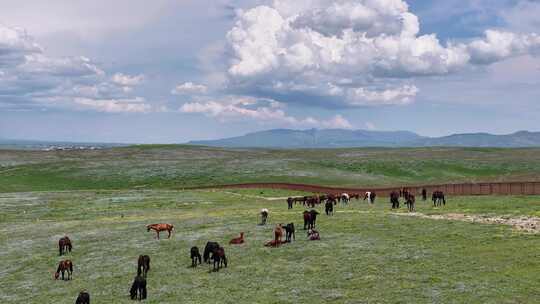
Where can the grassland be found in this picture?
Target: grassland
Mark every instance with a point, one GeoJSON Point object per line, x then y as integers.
{"type": "Point", "coordinates": [367, 254]}
{"type": "Point", "coordinates": [177, 167]}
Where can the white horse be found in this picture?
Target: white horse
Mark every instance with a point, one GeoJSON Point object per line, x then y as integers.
{"type": "Point", "coordinates": [368, 197]}
{"type": "Point", "coordinates": [345, 198]}
{"type": "Point", "coordinates": [264, 215]}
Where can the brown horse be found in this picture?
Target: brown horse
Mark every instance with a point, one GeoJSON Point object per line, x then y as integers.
{"type": "Point", "coordinates": [238, 240]}
{"type": "Point", "coordinates": [64, 266]}
{"type": "Point", "coordinates": [161, 227]}
{"type": "Point", "coordinates": [278, 234]}
{"type": "Point", "coordinates": [143, 265]}
{"type": "Point", "coordinates": [64, 245]}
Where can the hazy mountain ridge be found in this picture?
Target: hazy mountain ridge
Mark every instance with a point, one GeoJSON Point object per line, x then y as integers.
{"type": "Point", "coordinates": [339, 138]}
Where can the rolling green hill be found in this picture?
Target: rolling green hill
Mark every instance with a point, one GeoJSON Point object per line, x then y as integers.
{"type": "Point", "coordinates": [179, 166]}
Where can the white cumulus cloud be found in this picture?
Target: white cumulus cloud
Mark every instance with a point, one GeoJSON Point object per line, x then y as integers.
{"type": "Point", "coordinates": [189, 88]}
{"type": "Point", "coordinates": [355, 52]}
{"type": "Point", "coordinates": [127, 80]}
{"type": "Point", "coordinates": [260, 111]}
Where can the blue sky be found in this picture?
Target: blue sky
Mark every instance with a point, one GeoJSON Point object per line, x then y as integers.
{"type": "Point", "coordinates": [176, 71]}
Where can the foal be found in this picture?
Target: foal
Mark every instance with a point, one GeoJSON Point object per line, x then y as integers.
{"type": "Point", "coordinates": [83, 298]}
{"type": "Point", "coordinates": [143, 265]}
{"type": "Point", "coordinates": [64, 245]}
{"type": "Point", "coordinates": [238, 240]}
{"type": "Point", "coordinates": [278, 234]}
{"type": "Point", "coordinates": [289, 232]}
{"type": "Point", "coordinates": [64, 266]}
{"type": "Point", "coordinates": [195, 256]}
{"type": "Point", "coordinates": [219, 258]}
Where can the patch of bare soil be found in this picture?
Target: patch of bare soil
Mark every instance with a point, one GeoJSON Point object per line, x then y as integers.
{"type": "Point", "coordinates": [524, 223]}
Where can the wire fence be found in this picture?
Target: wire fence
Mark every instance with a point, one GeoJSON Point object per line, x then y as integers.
{"type": "Point", "coordinates": [496, 188]}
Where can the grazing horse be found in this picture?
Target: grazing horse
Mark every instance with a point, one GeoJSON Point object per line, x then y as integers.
{"type": "Point", "coordinates": [438, 197]}
{"type": "Point", "coordinates": [329, 208]}
{"type": "Point", "coordinates": [264, 216]}
{"type": "Point", "coordinates": [290, 202]}
{"type": "Point", "coordinates": [83, 298]}
{"type": "Point", "coordinates": [313, 235]}
{"type": "Point", "coordinates": [310, 217]}
{"type": "Point", "coordinates": [289, 232]}
{"type": "Point", "coordinates": [195, 256]}
{"type": "Point", "coordinates": [219, 258]}
{"type": "Point", "coordinates": [333, 198]}
{"type": "Point", "coordinates": [143, 265]}
{"type": "Point", "coordinates": [410, 203]}
{"type": "Point", "coordinates": [424, 194]}
{"type": "Point", "coordinates": [355, 196]}
{"type": "Point", "coordinates": [209, 248]}
{"type": "Point", "coordinates": [345, 198]}
{"type": "Point", "coordinates": [64, 245]}
{"type": "Point", "coordinates": [238, 240]}
{"type": "Point", "coordinates": [160, 227]}
{"type": "Point", "coordinates": [138, 288]}
{"type": "Point", "coordinates": [64, 266]}
{"type": "Point", "coordinates": [312, 201]}
{"type": "Point", "coordinates": [394, 199]}
{"type": "Point", "coordinates": [370, 196]}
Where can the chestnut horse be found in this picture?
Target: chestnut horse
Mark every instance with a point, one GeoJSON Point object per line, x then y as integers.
{"type": "Point", "coordinates": [238, 240]}
{"type": "Point", "coordinates": [161, 227]}
{"type": "Point", "coordinates": [278, 234]}
{"type": "Point", "coordinates": [64, 266]}
{"type": "Point", "coordinates": [64, 245]}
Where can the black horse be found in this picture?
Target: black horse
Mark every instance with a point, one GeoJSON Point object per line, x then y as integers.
{"type": "Point", "coordinates": [83, 298]}
{"type": "Point", "coordinates": [394, 199]}
{"type": "Point", "coordinates": [143, 265]}
{"type": "Point", "coordinates": [290, 201]}
{"type": "Point", "coordinates": [208, 249]}
{"type": "Point", "coordinates": [424, 194]}
{"type": "Point", "coordinates": [64, 245]}
{"type": "Point", "coordinates": [411, 200]}
{"type": "Point", "coordinates": [310, 218]}
{"type": "Point", "coordinates": [289, 232]}
{"type": "Point", "coordinates": [219, 258]}
{"type": "Point", "coordinates": [138, 288]}
{"type": "Point", "coordinates": [195, 256]}
{"type": "Point", "coordinates": [438, 197]}
{"type": "Point", "coordinates": [329, 208]}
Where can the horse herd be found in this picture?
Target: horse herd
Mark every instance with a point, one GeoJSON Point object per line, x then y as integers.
{"type": "Point", "coordinates": [214, 252]}
{"type": "Point", "coordinates": [330, 200]}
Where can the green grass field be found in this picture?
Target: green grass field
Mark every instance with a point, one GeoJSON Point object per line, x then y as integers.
{"type": "Point", "coordinates": [177, 167]}
{"type": "Point", "coordinates": [368, 254]}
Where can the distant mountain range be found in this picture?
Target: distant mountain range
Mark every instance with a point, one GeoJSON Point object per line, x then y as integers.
{"type": "Point", "coordinates": [339, 138]}
{"type": "Point", "coordinates": [22, 144]}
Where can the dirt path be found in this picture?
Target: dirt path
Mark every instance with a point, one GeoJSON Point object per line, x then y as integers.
{"type": "Point", "coordinates": [523, 223]}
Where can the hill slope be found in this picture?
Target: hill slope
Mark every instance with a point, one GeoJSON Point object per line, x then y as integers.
{"type": "Point", "coordinates": [331, 138]}
{"type": "Point", "coordinates": [338, 138]}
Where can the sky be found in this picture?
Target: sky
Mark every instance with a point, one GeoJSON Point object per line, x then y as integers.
{"type": "Point", "coordinates": [173, 71]}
